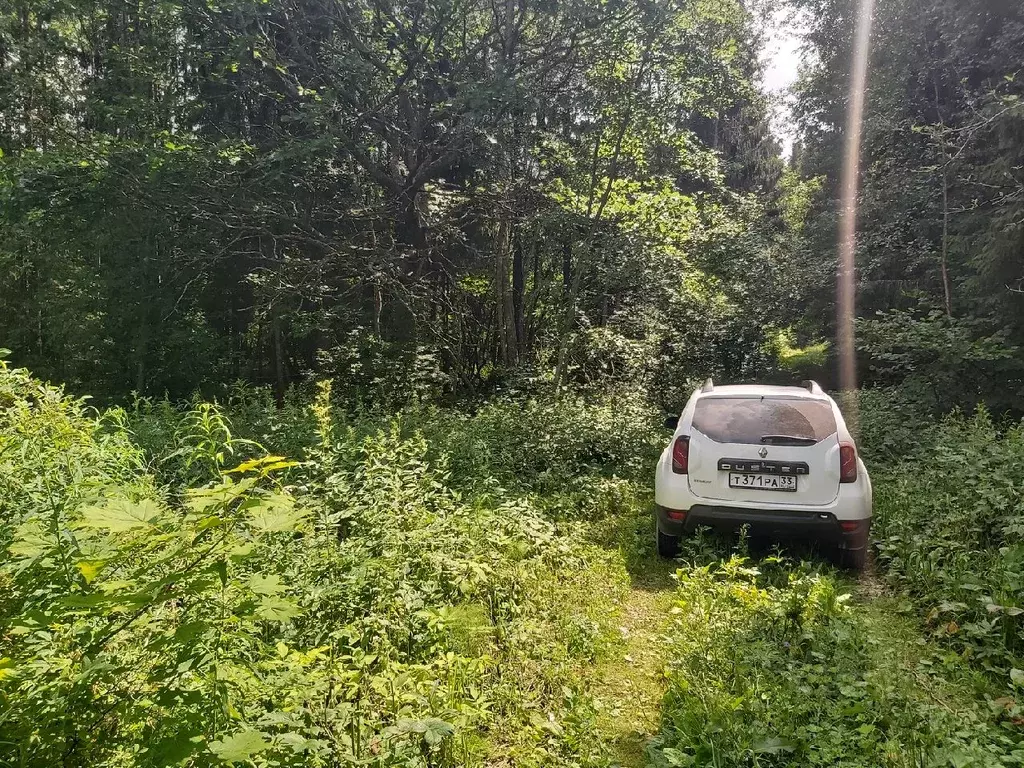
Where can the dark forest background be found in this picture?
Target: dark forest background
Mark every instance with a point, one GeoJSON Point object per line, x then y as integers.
{"type": "Point", "coordinates": [446, 198]}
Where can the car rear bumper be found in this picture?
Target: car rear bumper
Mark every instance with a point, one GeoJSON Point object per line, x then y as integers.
{"type": "Point", "coordinates": [821, 526]}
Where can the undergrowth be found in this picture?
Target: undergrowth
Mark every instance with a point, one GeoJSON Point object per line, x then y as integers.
{"type": "Point", "coordinates": [242, 583]}
{"type": "Point", "coordinates": [356, 607]}
{"type": "Point", "coordinates": [773, 664]}
{"type": "Point", "coordinates": [951, 535]}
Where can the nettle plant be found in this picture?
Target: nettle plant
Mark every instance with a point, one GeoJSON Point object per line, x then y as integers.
{"type": "Point", "coordinates": [951, 532]}
{"type": "Point", "coordinates": [772, 667]}
{"type": "Point", "coordinates": [134, 631]}
{"type": "Point", "coordinates": [131, 627]}
{"type": "Point", "coordinates": [353, 609]}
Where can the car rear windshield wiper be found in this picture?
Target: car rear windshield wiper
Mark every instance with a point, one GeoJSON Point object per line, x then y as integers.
{"type": "Point", "coordinates": [788, 440]}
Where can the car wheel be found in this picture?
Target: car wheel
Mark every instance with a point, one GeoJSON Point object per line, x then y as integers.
{"type": "Point", "coordinates": [854, 559]}
{"type": "Point", "coordinates": [668, 546]}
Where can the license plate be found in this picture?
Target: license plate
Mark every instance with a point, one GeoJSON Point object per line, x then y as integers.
{"type": "Point", "coordinates": [762, 482]}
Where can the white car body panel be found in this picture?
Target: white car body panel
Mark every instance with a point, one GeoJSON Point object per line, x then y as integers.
{"type": "Point", "coordinates": [705, 484]}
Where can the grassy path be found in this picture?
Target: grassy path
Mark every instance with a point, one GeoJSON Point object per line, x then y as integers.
{"type": "Point", "coordinates": [895, 661]}
{"type": "Point", "coordinates": [630, 683]}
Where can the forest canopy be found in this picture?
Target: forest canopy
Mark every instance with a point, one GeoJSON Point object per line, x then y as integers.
{"type": "Point", "coordinates": [416, 195]}
{"type": "Point", "coordinates": [448, 198]}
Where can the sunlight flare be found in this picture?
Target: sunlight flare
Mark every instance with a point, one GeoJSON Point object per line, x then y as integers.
{"type": "Point", "coordinates": [845, 288]}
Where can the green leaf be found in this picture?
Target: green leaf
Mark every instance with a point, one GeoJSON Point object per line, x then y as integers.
{"type": "Point", "coordinates": [199, 500]}
{"type": "Point", "coordinates": [265, 464]}
{"type": "Point", "coordinates": [773, 746]}
{"type": "Point", "coordinates": [437, 731]}
{"type": "Point", "coordinates": [174, 749]}
{"type": "Point", "coordinates": [277, 609]}
{"type": "Point", "coordinates": [31, 540]}
{"type": "Point", "coordinates": [276, 513]}
{"type": "Point", "coordinates": [1017, 676]}
{"type": "Point", "coordinates": [7, 668]}
{"type": "Point", "coordinates": [676, 758]}
{"type": "Point", "coordinates": [89, 569]}
{"type": "Point", "coordinates": [434, 730]}
{"type": "Point", "coordinates": [221, 569]}
{"type": "Point", "coordinates": [120, 515]}
{"type": "Point", "coordinates": [296, 742]}
{"type": "Point", "coordinates": [266, 585]}
{"type": "Point", "coordinates": [209, 522]}
{"type": "Point", "coordinates": [239, 746]}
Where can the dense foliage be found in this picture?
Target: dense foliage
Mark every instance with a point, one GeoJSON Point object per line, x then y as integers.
{"type": "Point", "coordinates": [772, 666]}
{"type": "Point", "coordinates": [355, 607]}
{"type": "Point", "coordinates": [437, 588]}
{"type": "Point", "coordinates": [383, 303]}
{"type": "Point", "coordinates": [941, 204]}
{"type": "Point", "coordinates": [427, 197]}
{"type": "Point", "coordinates": [952, 534]}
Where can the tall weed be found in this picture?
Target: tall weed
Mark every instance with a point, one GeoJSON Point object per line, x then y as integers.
{"type": "Point", "coordinates": [950, 520]}
{"type": "Point", "coordinates": [355, 608]}
{"type": "Point", "coordinates": [771, 667]}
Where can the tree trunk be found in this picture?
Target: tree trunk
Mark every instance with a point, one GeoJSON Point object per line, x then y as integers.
{"type": "Point", "coordinates": [566, 266]}
{"type": "Point", "coordinates": [945, 243]}
{"type": "Point", "coordinates": [567, 324]}
{"type": "Point", "coordinates": [518, 291]}
{"type": "Point", "coordinates": [534, 295]}
{"type": "Point", "coordinates": [280, 384]}
{"type": "Point", "coordinates": [947, 295]}
{"type": "Point", "coordinates": [378, 306]}
{"type": "Point", "coordinates": [504, 310]}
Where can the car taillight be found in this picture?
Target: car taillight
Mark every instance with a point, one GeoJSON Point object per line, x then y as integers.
{"type": "Point", "coordinates": [681, 455]}
{"type": "Point", "coordinates": [847, 463]}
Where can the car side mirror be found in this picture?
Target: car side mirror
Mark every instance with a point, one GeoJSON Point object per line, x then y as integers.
{"type": "Point", "coordinates": [671, 422]}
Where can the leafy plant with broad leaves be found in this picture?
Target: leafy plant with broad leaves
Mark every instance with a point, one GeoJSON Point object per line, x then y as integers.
{"type": "Point", "coordinates": [350, 609]}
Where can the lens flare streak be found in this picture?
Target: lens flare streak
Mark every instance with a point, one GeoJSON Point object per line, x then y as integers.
{"type": "Point", "coordinates": [845, 282]}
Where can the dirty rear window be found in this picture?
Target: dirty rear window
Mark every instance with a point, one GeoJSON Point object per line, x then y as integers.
{"type": "Point", "coordinates": [748, 419]}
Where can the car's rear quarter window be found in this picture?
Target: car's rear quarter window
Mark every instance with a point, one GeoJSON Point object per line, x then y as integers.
{"type": "Point", "coordinates": [748, 419]}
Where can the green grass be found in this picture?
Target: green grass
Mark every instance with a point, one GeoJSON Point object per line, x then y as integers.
{"type": "Point", "coordinates": [419, 592]}
{"type": "Point", "coordinates": [630, 679]}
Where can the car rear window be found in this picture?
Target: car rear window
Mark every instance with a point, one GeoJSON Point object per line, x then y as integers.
{"type": "Point", "coordinates": [748, 419]}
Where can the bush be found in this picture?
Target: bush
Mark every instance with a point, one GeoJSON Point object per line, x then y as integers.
{"type": "Point", "coordinates": [942, 362]}
{"type": "Point", "coordinates": [55, 452]}
{"type": "Point", "coordinates": [951, 531]}
{"type": "Point", "coordinates": [770, 667]}
{"type": "Point", "coordinates": [544, 444]}
{"type": "Point", "coordinates": [889, 425]}
{"type": "Point", "coordinates": [350, 609]}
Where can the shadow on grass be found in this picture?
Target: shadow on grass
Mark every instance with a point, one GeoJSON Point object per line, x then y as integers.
{"type": "Point", "coordinates": [633, 536]}
{"type": "Point", "coordinates": [634, 679]}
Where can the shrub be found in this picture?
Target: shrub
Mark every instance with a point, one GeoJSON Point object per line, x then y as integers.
{"type": "Point", "coordinates": [54, 452]}
{"type": "Point", "coordinates": [542, 444]}
{"type": "Point", "coordinates": [952, 533]}
{"type": "Point", "coordinates": [357, 610]}
{"type": "Point", "coordinates": [770, 667]}
{"type": "Point", "coordinates": [890, 426]}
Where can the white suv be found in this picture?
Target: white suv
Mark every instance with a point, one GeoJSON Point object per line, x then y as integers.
{"type": "Point", "coordinates": [777, 459]}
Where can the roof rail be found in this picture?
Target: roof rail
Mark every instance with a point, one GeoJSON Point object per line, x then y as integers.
{"type": "Point", "coordinates": [812, 387]}
{"type": "Point", "coordinates": [709, 386]}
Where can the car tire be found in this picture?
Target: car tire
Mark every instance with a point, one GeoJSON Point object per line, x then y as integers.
{"type": "Point", "coordinates": [854, 559]}
{"type": "Point", "coordinates": [668, 546]}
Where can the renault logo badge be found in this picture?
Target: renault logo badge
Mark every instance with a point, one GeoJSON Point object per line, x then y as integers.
{"type": "Point", "coordinates": [763, 452]}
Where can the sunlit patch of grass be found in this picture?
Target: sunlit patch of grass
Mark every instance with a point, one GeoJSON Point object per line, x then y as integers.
{"type": "Point", "coordinates": [782, 663]}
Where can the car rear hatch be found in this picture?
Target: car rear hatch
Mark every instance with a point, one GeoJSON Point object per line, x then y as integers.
{"type": "Point", "coordinates": [772, 450]}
